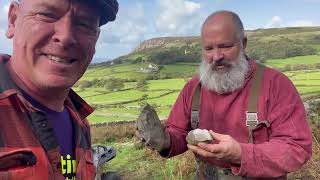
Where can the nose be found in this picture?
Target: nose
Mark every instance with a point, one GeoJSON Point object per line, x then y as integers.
{"type": "Point", "coordinates": [214, 55]}
{"type": "Point", "coordinates": [64, 33]}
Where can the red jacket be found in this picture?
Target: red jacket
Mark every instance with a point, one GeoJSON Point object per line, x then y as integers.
{"type": "Point", "coordinates": [283, 147]}
{"type": "Point", "coordinates": [28, 147]}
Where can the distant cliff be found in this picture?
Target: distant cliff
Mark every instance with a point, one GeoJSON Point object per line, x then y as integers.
{"type": "Point", "coordinates": [158, 42]}
{"type": "Point", "coordinates": [263, 44]}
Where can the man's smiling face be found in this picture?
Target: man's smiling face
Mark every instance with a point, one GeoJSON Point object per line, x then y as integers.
{"type": "Point", "coordinates": [53, 41]}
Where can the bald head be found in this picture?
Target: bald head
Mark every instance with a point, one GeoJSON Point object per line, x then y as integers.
{"type": "Point", "coordinates": [226, 19]}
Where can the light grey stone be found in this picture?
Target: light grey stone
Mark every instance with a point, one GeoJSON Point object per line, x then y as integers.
{"type": "Point", "coordinates": [198, 135]}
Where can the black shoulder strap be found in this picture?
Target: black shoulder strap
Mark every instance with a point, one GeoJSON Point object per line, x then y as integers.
{"type": "Point", "coordinates": [195, 104]}
{"type": "Point", "coordinates": [252, 111]}
{"type": "Point", "coordinates": [255, 88]}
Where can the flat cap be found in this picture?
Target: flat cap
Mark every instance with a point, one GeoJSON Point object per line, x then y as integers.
{"type": "Point", "coordinates": [108, 10]}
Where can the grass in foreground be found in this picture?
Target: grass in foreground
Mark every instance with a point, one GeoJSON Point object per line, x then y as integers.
{"type": "Point", "coordinates": [135, 162]}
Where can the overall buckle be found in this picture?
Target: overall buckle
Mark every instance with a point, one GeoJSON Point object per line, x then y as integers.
{"type": "Point", "coordinates": [251, 119]}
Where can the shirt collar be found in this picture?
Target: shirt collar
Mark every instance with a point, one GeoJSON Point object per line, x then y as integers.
{"type": "Point", "coordinates": [7, 86]}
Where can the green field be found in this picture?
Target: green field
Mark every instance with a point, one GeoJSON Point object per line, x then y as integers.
{"type": "Point", "coordinates": [96, 119]}
{"type": "Point", "coordinates": [307, 82]}
{"type": "Point", "coordinates": [163, 94]}
{"type": "Point", "coordinates": [124, 105]}
{"type": "Point", "coordinates": [133, 71]}
{"type": "Point", "coordinates": [317, 47]}
{"type": "Point", "coordinates": [280, 63]}
{"type": "Point", "coordinates": [174, 84]}
{"type": "Point", "coordinates": [184, 69]}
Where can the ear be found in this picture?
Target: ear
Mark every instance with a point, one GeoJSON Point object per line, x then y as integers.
{"type": "Point", "coordinates": [12, 17]}
{"type": "Point", "coordinates": [98, 35]}
{"type": "Point", "coordinates": [99, 31]}
{"type": "Point", "coordinates": [244, 42]}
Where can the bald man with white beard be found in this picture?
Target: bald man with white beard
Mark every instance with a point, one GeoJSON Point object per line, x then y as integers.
{"type": "Point", "coordinates": [276, 143]}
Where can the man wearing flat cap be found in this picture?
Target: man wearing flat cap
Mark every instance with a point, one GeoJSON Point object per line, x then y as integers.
{"type": "Point", "coordinates": [44, 133]}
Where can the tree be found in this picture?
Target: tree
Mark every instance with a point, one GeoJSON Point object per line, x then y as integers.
{"type": "Point", "coordinates": [143, 100]}
{"type": "Point", "coordinates": [287, 67]}
{"type": "Point", "coordinates": [114, 84]}
{"type": "Point", "coordinates": [84, 84]}
{"type": "Point", "coordinates": [142, 84]}
{"type": "Point", "coordinates": [137, 60]}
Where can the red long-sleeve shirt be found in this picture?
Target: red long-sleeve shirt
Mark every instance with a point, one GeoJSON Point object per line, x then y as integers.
{"type": "Point", "coordinates": [283, 147]}
{"type": "Point", "coordinates": [25, 130]}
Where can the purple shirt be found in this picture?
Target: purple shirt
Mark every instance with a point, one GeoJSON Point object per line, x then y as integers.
{"type": "Point", "coordinates": [63, 128]}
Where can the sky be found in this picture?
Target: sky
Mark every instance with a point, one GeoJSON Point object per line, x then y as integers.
{"type": "Point", "coordinates": [139, 20]}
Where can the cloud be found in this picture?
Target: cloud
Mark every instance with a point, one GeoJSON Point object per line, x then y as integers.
{"type": "Point", "coordinates": [5, 8]}
{"type": "Point", "coordinates": [109, 39]}
{"type": "Point", "coordinates": [275, 22]}
{"type": "Point", "coordinates": [178, 17]}
{"type": "Point", "coordinates": [4, 15]}
{"type": "Point", "coordinates": [312, 1]}
{"type": "Point", "coordinates": [126, 32]}
{"type": "Point", "coordinates": [136, 23]}
{"type": "Point", "coordinates": [301, 23]}
{"type": "Point", "coordinates": [129, 27]}
{"type": "Point", "coordinates": [6, 44]}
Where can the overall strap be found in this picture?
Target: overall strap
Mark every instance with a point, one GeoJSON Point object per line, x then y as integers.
{"type": "Point", "coordinates": [252, 111]}
{"type": "Point", "coordinates": [195, 104]}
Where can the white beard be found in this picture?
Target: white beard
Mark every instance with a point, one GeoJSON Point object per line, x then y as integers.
{"type": "Point", "coordinates": [225, 82]}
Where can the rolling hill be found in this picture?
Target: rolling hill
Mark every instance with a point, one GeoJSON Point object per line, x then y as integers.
{"type": "Point", "coordinates": [262, 44]}
{"type": "Point", "coordinates": [167, 63]}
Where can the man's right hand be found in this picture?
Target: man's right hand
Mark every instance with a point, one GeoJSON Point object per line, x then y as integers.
{"type": "Point", "coordinates": [150, 131]}
{"type": "Point", "coordinates": [225, 149]}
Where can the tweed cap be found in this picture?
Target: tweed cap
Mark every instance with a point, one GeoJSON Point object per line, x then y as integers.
{"type": "Point", "coordinates": [108, 10]}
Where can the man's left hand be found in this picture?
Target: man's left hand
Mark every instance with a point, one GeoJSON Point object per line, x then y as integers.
{"type": "Point", "coordinates": [226, 149]}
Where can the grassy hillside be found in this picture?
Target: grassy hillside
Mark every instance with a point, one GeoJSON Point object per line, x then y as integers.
{"type": "Point", "coordinates": [263, 44]}
{"type": "Point", "coordinates": [135, 162]}
{"type": "Point", "coordinates": [299, 60]}
{"type": "Point", "coordinates": [163, 86]}
{"type": "Point", "coordinates": [131, 72]}
{"type": "Point", "coordinates": [125, 104]}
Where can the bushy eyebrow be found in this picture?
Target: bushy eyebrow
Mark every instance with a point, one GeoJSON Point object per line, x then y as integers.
{"type": "Point", "coordinates": [86, 18]}
{"type": "Point", "coordinates": [47, 6]}
{"type": "Point", "coordinates": [53, 7]}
